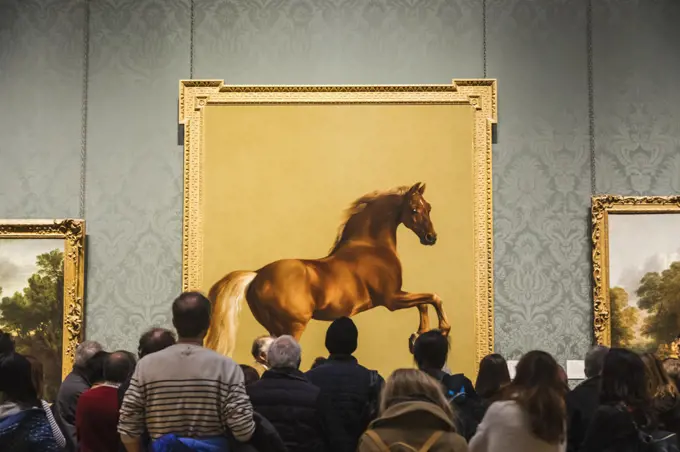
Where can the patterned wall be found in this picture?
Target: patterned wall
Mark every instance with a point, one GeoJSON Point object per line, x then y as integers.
{"type": "Point", "coordinates": [123, 121]}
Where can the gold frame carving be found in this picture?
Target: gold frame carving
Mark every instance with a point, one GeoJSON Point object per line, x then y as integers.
{"type": "Point", "coordinates": [73, 234]}
{"type": "Point", "coordinates": [480, 93]}
{"type": "Point", "coordinates": [602, 206]}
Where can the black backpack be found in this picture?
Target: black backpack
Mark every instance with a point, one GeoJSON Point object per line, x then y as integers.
{"type": "Point", "coordinates": [657, 441]}
{"type": "Point", "coordinates": [466, 402]}
{"type": "Point", "coordinates": [650, 441]}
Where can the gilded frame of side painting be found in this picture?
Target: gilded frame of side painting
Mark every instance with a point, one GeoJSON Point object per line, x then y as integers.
{"type": "Point", "coordinates": [72, 232]}
{"type": "Point", "coordinates": [194, 95]}
{"type": "Point", "coordinates": [602, 208]}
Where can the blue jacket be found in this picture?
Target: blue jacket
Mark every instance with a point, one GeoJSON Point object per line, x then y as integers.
{"type": "Point", "coordinates": [172, 443]}
{"type": "Point", "coordinates": [27, 431]}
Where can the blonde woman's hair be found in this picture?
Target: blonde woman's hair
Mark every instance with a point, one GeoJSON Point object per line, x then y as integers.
{"type": "Point", "coordinates": [660, 384]}
{"type": "Point", "coordinates": [409, 384]}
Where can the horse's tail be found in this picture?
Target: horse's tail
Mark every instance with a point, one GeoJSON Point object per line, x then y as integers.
{"type": "Point", "coordinates": [227, 296]}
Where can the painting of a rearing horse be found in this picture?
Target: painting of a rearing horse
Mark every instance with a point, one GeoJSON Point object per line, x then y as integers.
{"type": "Point", "coordinates": [361, 272]}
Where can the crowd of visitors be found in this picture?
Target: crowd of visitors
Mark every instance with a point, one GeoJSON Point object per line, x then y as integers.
{"type": "Point", "coordinates": [174, 395]}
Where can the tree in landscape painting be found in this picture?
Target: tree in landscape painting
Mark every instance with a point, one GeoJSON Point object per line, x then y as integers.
{"type": "Point", "coordinates": [659, 295]}
{"type": "Point", "coordinates": [624, 318]}
{"type": "Point", "coordinates": [34, 317]}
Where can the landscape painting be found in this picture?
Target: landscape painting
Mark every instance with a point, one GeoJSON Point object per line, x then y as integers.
{"type": "Point", "coordinates": [42, 276]}
{"type": "Point", "coordinates": [32, 302]}
{"type": "Point", "coordinates": [644, 281]}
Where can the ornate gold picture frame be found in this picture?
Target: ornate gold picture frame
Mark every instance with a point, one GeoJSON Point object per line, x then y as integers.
{"type": "Point", "coordinates": [38, 257]}
{"type": "Point", "coordinates": [196, 95]}
{"type": "Point", "coordinates": [634, 254]}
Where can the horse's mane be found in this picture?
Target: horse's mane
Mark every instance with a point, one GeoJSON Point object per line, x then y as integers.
{"type": "Point", "coordinates": [359, 205]}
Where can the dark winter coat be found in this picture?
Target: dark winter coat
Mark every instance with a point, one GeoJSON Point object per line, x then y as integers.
{"type": "Point", "coordinates": [613, 430]}
{"type": "Point", "coordinates": [73, 385]}
{"type": "Point", "coordinates": [581, 405]}
{"type": "Point", "coordinates": [291, 403]}
{"type": "Point", "coordinates": [667, 413]}
{"type": "Point", "coordinates": [350, 393]}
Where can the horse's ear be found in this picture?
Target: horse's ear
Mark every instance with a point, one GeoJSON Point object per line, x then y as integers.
{"type": "Point", "coordinates": [415, 189]}
{"type": "Point", "coordinates": [421, 190]}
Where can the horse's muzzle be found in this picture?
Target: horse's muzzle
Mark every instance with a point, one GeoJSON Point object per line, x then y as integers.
{"type": "Point", "coordinates": [429, 239]}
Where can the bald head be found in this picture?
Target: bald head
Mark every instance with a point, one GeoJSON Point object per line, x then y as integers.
{"type": "Point", "coordinates": [118, 367]}
{"type": "Point", "coordinates": [155, 340]}
{"type": "Point", "coordinates": [191, 315]}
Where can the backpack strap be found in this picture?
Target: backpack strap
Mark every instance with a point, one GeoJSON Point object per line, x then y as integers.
{"type": "Point", "coordinates": [384, 448]}
{"type": "Point", "coordinates": [377, 440]}
{"type": "Point", "coordinates": [430, 442]}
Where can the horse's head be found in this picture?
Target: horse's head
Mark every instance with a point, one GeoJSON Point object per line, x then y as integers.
{"type": "Point", "coordinates": [415, 214]}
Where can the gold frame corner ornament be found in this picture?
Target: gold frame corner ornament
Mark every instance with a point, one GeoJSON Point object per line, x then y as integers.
{"type": "Point", "coordinates": [601, 207]}
{"type": "Point", "coordinates": [481, 94]}
{"type": "Point", "coordinates": [72, 231]}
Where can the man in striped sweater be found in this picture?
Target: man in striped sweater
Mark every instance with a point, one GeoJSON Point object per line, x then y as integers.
{"type": "Point", "coordinates": [186, 392]}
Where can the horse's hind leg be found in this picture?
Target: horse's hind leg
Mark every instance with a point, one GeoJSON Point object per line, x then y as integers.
{"type": "Point", "coordinates": [404, 300]}
{"type": "Point", "coordinates": [424, 319]}
{"type": "Point", "coordinates": [423, 327]}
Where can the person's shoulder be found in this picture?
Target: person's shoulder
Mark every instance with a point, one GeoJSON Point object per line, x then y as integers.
{"type": "Point", "coordinates": [503, 408]}
{"type": "Point", "coordinates": [308, 386]}
{"type": "Point", "coordinates": [609, 409]}
{"type": "Point", "coordinates": [74, 382]}
{"type": "Point", "coordinates": [455, 441]}
{"type": "Point", "coordinates": [459, 379]}
{"type": "Point", "coordinates": [589, 385]}
{"type": "Point", "coordinates": [367, 444]}
{"type": "Point", "coordinates": [319, 371]}
{"type": "Point", "coordinates": [90, 398]}
{"type": "Point", "coordinates": [370, 372]}
{"type": "Point", "coordinates": [98, 392]}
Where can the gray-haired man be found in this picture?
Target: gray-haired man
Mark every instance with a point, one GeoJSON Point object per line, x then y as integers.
{"type": "Point", "coordinates": [73, 385]}
{"type": "Point", "coordinates": [288, 400]}
{"type": "Point", "coordinates": [583, 400]}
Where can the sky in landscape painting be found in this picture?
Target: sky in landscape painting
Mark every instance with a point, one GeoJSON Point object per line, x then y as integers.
{"type": "Point", "coordinates": [639, 244]}
{"type": "Point", "coordinates": [17, 261]}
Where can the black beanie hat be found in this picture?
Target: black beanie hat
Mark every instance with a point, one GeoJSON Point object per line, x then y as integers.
{"type": "Point", "coordinates": [341, 337]}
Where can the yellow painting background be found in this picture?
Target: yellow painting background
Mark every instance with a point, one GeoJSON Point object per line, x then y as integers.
{"type": "Point", "coordinates": [277, 179]}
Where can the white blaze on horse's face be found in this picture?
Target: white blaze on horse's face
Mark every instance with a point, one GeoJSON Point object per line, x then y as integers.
{"type": "Point", "coordinates": [416, 215]}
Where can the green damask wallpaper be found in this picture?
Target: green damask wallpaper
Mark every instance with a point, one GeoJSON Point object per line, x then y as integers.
{"type": "Point", "coordinates": [88, 90]}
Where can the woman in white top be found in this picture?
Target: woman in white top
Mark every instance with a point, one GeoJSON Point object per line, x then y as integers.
{"type": "Point", "coordinates": [38, 384]}
{"type": "Point", "coordinates": [533, 416]}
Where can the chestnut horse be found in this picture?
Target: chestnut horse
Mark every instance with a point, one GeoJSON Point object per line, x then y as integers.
{"type": "Point", "coordinates": [361, 272]}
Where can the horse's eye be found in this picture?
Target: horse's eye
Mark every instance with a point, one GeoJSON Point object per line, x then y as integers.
{"type": "Point", "coordinates": [415, 211]}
